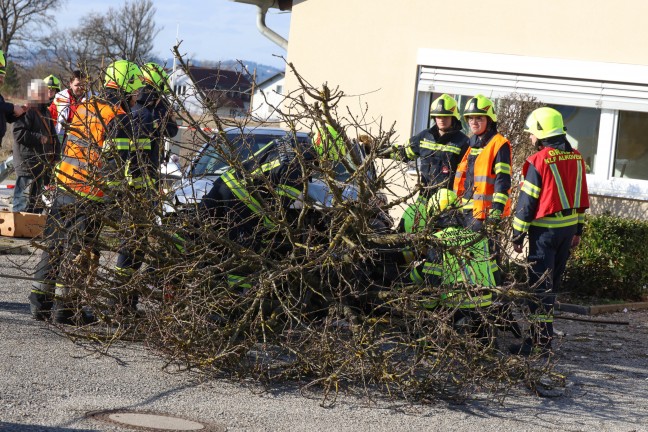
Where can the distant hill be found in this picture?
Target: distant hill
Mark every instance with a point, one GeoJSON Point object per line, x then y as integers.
{"type": "Point", "coordinates": [263, 72]}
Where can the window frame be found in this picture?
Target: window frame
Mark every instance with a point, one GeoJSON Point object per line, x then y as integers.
{"type": "Point", "coordinates": [627, 93]}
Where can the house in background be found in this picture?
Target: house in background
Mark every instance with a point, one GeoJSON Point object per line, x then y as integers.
{"type": "Point", "coordinates": [228, 90]}
{"type": "Point", "coordinates": [267, 96]}
{"type": "Point", "coordinates": [583, 57]}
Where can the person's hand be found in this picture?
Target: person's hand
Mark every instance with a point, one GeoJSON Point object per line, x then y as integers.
{"type": "Point", "coordinates": [575, 241]}
{"type": "Point", "coordinates": [19, 110]}
{"type": "Point", "coordinates": [493, 221]}
{"type": "Point", "coordinates": [385, 152]}
{"type": "Point", "coordinates": [517, 248]}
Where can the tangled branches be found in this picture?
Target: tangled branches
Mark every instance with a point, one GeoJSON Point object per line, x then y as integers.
{"type": "Point", "coordinates": [281, 262]}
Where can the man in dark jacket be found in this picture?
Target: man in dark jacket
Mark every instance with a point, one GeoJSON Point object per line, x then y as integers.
{"type": "Point", "coordinates": [8, 111]}
{"type": "Point", "coordinates": [440, 147]}
{"type": "Point", "coordinates": [34, 149]}
{"type": "Point", "coordinates": [152, 97]}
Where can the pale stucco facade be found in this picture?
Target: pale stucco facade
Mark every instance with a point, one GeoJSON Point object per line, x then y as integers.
{"type": "Point", "coordinates": [372, 45]}
{"type": "Point", "coordinates": [375, 48]}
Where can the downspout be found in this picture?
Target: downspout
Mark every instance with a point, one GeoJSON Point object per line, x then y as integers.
{"type": "Point", "coordinates": [267, 31]}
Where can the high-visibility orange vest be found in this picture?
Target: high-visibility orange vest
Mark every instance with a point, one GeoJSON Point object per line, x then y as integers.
{"type": "Point", "coordinates": [484, 184]}
{"type": "Point", "coordinates": [81, 159]}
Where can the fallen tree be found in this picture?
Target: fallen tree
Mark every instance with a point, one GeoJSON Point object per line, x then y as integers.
{"type": "Point", "coordinates": [314, 292]}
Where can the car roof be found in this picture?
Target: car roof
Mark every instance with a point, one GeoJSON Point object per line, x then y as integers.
{"type": "Point", "coordinates": [248, 130]}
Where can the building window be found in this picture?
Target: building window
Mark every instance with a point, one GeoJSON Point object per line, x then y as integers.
{"type": "Point", "coordinates": [583, 126]}
{"type": "Point", "coordinates": [279, 89]}
{"type": "Point", "coordinates": [631, 156]}
{"type": "Point", "coordinates": [605, 127]}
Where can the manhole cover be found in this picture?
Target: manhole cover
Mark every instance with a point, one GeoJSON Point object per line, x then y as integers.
{"type": "Point", "coordinates": [151, 421]}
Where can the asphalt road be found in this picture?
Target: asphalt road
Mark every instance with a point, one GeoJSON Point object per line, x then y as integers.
{"type": "Point", "coordinates": [48, 383]}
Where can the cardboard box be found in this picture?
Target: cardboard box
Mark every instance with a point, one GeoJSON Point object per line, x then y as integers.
{"type": "Point", "coordinates": [20, 224]}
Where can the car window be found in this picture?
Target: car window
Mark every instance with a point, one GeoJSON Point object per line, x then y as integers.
{"type": "Point", "coordinates": [214, 159]}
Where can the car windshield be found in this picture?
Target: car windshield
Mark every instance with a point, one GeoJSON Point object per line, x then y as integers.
{"type": "Point", "coordinates": [213, 160]}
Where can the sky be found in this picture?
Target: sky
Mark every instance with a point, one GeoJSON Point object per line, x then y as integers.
{"type": "Point", "coordinates": [209, 29]}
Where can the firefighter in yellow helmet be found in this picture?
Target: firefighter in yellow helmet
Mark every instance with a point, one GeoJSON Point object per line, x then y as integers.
{"type": "Point", "coordinates": [153, 97]}
{"type": "Point", "coordinates": [459, 260]}
{"type": "Point", "coordinates": [551, 211]}
{"type": "Point", "coordinates": [439, 148]}
{"type": "Point", "coordinates": [91, 163]}
{"type": "Point", "coordinates": [483, 178]}
{"type": "Point", "coordinates": [53, 86]}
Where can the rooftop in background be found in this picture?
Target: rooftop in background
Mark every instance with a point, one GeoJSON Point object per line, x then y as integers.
{"type": "Point", "coordinates": [213, 79]}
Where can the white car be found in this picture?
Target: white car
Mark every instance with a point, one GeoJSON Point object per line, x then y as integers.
{"type": "Point", "coordinates": [209, 164]}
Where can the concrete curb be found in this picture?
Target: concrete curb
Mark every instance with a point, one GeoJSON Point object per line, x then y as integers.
{"type": "Point", "coordinates": [600, 309]}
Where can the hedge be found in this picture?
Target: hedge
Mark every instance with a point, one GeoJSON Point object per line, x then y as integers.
{"type": "Point", "coordinates": [612, 260]}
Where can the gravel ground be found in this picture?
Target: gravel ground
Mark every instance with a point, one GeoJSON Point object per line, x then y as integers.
{"type": "Point", "coordinates": [47, 383]}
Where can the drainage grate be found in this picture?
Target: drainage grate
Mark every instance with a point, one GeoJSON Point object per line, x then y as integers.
{"type": "Point", "coordinates": [152, 421]}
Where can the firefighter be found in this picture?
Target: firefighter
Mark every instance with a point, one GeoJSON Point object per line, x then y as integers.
{"type": "Point", "coordinates": [142, 158]}
{"type": "Point", "coordinates": [483, 178]}
{"type": "Point", "coordinates": [87, 168]}
{"type": "Point", "coordinates": [449, 268]}
{"type": "Point", "coordinates": [251, 195]}
{"type": "Point", "coordinates": [550, 209]}
{"type": "Point", "coordinates": [152, 97]}
{"type": "Point", "coordinates": [440, 148]}
{"type": "Point", "coordinates": [53, 86]}
{"type": "Point", "coordinates": [137, 159]}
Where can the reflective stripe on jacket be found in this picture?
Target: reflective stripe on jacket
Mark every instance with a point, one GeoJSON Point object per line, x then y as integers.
{"type": "Point", "coordinates": [81, 161]}
{"type": "Point", "coordinates": [554, 192]}
{"type": "Point", "coordinates": [485, 173]}
{"type": "Point", "coordinates": [439, 155]}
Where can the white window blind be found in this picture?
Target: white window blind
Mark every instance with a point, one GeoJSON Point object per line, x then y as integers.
{"type": "Point", "coordinates": [563, 91]}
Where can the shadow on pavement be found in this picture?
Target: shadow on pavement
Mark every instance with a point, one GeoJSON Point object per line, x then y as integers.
{"type": "Point", "coordinates": [16, 427]}
{"type": "Point", "coordinates": [14, 307]}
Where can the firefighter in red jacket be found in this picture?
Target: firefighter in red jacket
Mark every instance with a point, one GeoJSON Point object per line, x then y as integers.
{"type": "Point", "coordinates": [551, 207]}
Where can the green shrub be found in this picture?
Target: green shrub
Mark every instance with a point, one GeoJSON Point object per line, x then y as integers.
{"type": "Point", "coordinates": [612, 260]}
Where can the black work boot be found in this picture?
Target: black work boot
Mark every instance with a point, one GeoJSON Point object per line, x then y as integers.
{"type": "Point", "coordinates": [40, 306]}
{"type": "Point", "coordinates": [63, 314]}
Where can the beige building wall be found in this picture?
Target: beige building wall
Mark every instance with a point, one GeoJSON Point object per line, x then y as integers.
{"type": "Point", "coordinates": [369, 47]}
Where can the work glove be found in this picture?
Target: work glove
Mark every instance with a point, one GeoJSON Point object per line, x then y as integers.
{"type": "Point", "coordinates": [493, 221]}
{"type": "Point", "coordinates": [388, 152]}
